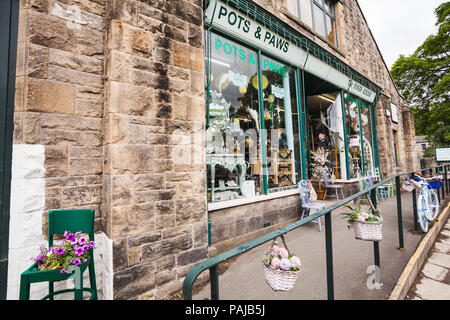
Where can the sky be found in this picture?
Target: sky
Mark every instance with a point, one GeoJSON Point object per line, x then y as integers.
{"type": "Point", "coordinates": [400, 26]}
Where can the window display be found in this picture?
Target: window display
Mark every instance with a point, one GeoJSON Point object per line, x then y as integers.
{"type": "Point", "coordinates": [367, 137]}
{"type": "Point", "coordinates": [233, 129]}
{"type": "Point", "coordinates": [354, 136]}
{"type": "Point", "coordinates": [280, 119]}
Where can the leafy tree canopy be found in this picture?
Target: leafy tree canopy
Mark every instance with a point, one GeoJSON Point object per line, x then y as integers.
{"type": "Point", "coordinates": [423, 79]}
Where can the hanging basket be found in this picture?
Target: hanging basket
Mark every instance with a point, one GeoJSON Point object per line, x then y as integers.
{"type": "Point", "coordinates": [279, 280]}
{"type": "Point", "coordinates": [408, 185]}
{"type": "Point", "coordinates": [368, 231]}
{"type": "Point", "coordinates": [435, 184]}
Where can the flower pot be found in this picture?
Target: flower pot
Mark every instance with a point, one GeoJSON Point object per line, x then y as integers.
{"type": "Point", "coordinates": [320, 194]}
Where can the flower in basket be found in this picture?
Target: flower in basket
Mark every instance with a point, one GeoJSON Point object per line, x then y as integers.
{"type": "Point", "coordinates": [65, 255]}
{"type": "Point", "coordinates": [279, 259]}
{"type": "Point", "coordinates": [361, 215]}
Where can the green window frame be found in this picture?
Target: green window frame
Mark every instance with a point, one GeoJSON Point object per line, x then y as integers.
{"type": "Point", "coordinates": [299, 88]}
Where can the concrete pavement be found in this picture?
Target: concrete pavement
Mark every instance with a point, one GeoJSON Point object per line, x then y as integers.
{"type": "Point", "coordinates": [433, 281]}
{"type": "Point", "coordinates": [353, 260]}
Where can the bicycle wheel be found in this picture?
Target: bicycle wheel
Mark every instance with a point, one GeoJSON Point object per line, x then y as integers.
{"type": "Point", "coordinates": [433, 205]}
{"type": "Point", "coordinates": [422, 209]}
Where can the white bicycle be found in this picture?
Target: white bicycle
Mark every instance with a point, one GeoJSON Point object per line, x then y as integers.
{"type": "Point", "coordinates": [427, 204]}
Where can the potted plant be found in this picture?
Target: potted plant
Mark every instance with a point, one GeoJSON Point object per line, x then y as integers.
{"type": "Point", "coordinates": [365, 221]}
{"type": "Point", "coordinates": [281, 268]}
{"type": "Point", "coordinates": [320, 161]}
{"type": "Point", "coordinates": [65, 255]}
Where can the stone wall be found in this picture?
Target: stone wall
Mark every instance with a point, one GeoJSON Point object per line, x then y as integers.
{"type": "Point", "coordinates": [58, 112]}
{"type": "Point", "coordinates": [111, 95]}
{"type": "Point", "coordinates": [154, 194]}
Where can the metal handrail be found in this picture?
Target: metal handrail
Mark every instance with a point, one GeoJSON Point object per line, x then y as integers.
{"type": "Point", "coordinates": [212, 263]}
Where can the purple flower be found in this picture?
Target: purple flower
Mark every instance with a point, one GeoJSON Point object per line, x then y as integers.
{"type": "Point", "coordinates": [71, 237]}
{"type": "Point", "coordinates": [82, 240]}
{"type": "Point", "coordinates": [285, 264]}
{"type": "Point", "coordinates": [91, 244]}
{"type": "Point", "coordinates": [59, 250]}
{"type": "Point", "coordinates": [76, 261]}
{"type": "Point", "coordinates": [79, 250]}
{"type": "Point", "coordinates": [63, 271]}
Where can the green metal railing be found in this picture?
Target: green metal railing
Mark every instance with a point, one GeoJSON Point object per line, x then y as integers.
{"type": "Point", "coordinates": [212, 264]}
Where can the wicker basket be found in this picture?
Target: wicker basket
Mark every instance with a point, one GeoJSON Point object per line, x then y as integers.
{"type": "Point", "coordinates": [368, 231]}
{"type": "Point", "coordinates": [279, 280]}
{"type": "Point", "coordinates": [408, 186]}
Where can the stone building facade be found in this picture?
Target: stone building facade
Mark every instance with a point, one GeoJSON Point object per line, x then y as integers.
{"type": "Point", "coordinates": [110, 114]}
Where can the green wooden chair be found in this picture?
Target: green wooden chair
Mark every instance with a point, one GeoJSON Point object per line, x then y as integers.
{"type": "Point", "coordinates": [59, 221]}
{"type": "Point", "coordinates": [389, 186]}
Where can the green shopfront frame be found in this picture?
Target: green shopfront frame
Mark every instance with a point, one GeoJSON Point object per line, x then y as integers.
{"type": "Point", "coordinates": [211, 28]}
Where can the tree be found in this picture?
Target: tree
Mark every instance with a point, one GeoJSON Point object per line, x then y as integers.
{"type": "Point", "coordinates": [423, 79]}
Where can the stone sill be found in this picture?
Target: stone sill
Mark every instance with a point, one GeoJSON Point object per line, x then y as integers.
{"type": "Point", "coordinates": [239, 202]}
{"type": "Point", "coordinates": [213, 206]}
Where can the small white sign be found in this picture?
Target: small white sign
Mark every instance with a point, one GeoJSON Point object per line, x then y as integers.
{"type": "Point", "coordinates": [394, 112]}
{"type": "Point", "coordinates": [278, 92]}
{"type": "Point", "coordinates": [442, 154]}
{"type": "Point", "coordinates": [237, 79]}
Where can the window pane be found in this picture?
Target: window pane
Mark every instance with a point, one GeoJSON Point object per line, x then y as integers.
{"type": "Point", "coordinates": [367, 136]}
{"type": "Point", "coordinates": [329, 6]}
{"type": "Point", "coordinates": [232, 135]}
{"type": "Point", "coordinates": [281, 123]}
{"type": "Point", "coordinates": [331, 32]}
{"type": "Point", "coordinates": [292, 7]}
{"type": "Point", "coordinates": [319, 24]}
{"type": "Point", "coordinates": [305, 12]}
{"type": "Point", "coordinates": [354, 138]}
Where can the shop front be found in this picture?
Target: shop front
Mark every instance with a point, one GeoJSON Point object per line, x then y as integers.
{"type": "Point", "coordinates": [271, 103]}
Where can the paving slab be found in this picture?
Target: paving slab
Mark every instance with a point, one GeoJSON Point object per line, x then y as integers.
{"type": "Point", "coordinates": [429, 289]}
{"type": "Point", "coordinates": [440, 259]}
{"type": "Point", "coordinates": [435, 272]}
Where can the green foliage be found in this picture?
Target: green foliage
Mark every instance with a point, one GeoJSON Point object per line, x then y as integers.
{"type": "Point", "coordinates": [423, 79]}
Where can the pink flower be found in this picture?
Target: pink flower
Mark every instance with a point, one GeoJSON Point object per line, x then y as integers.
{"type": "Point", "coordinates": [296, 262]}
{"type": "Point", "coordinates": [283, 253]}
{"type": "Point", "coordinates": [275, 250]}
{"type": "Point", "coordinates": [275, 262]}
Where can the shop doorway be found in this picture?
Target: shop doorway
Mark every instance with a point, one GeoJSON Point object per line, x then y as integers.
{"type": "Point", "coordinates": [324, 124]}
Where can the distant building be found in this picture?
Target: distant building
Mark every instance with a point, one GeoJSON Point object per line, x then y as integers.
{"type": "Point", "coordinates": [421, 145]}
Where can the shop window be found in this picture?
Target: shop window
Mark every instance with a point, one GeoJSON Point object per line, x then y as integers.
{"type": "Point", "coordinates": [360, 137]}
{"type": "Point", "coordinates": [281, 124]}
{"type": "Point", "coordinates": [233, 123]}
{"type": "Point", "coordinates": [367, 137]}
{"type": "Point", "coordinates": [237, 119]}
{"type": "Point", "coordinates": [354, 137]}
{"type": "Point", "coordinates": [318, 14]}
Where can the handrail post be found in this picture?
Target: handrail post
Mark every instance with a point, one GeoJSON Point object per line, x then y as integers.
{"type": "Point", "coordinates": [214, 280]}
{"type": "Point", "coordinates": [399, 213]}
{"type": "Point", "coordinates": [444, 180]}
{"type": "Point", "coordinates": [376, 245]}
{"type": "Point", "coordinates": [329, 256]}
{"type": "Point", "coordinates": [438, 191]}
{"type": "Point", "coordinates": [414, 200]}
